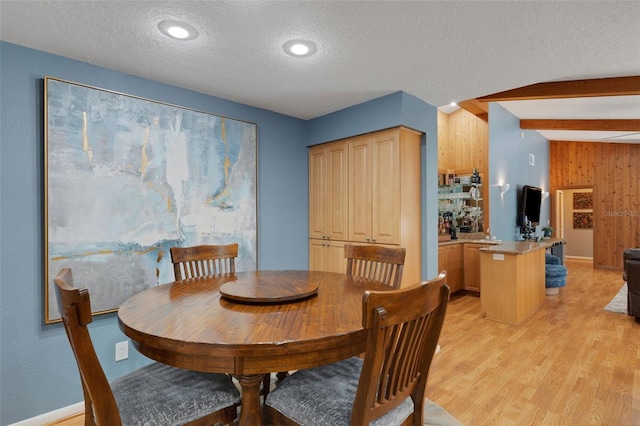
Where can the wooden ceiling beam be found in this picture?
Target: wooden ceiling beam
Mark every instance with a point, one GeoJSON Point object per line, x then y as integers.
{"type": "Point", "coordinates": [475, 107]}
{"type": "Point", "coordinates": [614, 86]}
{"type": "Point", "coordinates": [616, 125]}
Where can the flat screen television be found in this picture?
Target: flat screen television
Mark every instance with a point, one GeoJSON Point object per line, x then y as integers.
{"type": "Point", "coordinates": [531, 199]}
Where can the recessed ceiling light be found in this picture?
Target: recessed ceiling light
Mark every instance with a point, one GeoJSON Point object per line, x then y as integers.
{"type": "Point", "coordinates": [299, 48]}
{"type": "Point", "coordinates": [178, 30]}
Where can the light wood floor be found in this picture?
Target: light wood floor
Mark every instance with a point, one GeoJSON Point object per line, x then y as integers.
{"type": "Point", "coordinates": [570, 363]}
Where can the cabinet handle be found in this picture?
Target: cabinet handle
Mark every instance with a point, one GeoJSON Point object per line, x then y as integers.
{"type": "Point", "coordinates": [366, 238]}
{"type": "Point", "coordinates": [373, 239]}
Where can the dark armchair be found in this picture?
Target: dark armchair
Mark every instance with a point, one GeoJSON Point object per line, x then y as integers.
{"type": "Point", "coordinates": [631, 258]}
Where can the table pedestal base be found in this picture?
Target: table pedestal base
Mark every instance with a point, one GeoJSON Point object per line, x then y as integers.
{"type": "Point", "coordinates": [250, 412]}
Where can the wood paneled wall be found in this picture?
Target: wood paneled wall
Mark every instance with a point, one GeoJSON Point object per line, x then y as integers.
{"type": "Point", "coordinates": [444, 150]}
{"type": "Point", "coordinates": [613, 170]}
{"type": "Point", "coordinates": [463, 141]}
{"type": "Point", "coordinates": [463, 144]}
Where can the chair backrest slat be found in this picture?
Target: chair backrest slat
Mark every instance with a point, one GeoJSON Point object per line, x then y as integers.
{"type": "Point", "coordinates": [403, 327]}
{"type": "Point", "coordinates": [383, 264]}
{"type": "Point", "coordinates": [198, 261]}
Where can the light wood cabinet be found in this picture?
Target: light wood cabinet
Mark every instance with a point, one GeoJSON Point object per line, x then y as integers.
{"type": "Point", "coordinates": [472, 266]}
{"type": "Point", "coordinates": [450, 259]}
{"type": "Point", "coordinates": [366, 190]}
{"type": "Point", "coordinates": [328, 196]}
{"type": "Point", "coordinates": [327, 256]}
{"type": "Point", "coordinates": [374, 183]}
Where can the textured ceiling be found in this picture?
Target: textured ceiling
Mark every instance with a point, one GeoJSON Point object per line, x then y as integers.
{"type": "Point", "coordinates": [437, 51]}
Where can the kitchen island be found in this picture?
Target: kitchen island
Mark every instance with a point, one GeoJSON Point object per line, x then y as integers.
{"type": "Point", "coordinates": [512, 277]}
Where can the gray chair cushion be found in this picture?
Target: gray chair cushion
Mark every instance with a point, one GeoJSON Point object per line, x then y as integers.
{"type": "Point", "coordinates": [324, 396]}
{"type": "Point", "coordinates": [159, 394]}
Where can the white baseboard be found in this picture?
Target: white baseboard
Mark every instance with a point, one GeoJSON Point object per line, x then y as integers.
{"type": "Point", "coordinates": [52, 415]}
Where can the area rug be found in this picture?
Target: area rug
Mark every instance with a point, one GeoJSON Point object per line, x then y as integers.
{"type": "Point", "coordinates": [619, 303]}
{"type": "Point", "coordinates": [435, 415]}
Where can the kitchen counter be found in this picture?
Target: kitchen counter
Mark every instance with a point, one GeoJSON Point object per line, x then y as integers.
{"type": "Point", "coordinates": [474, 240]}
{"type": "Point", "coordinates": [514, 247]}
{"type": "Point", "coordinates": [512, 278]}
{"type": "Point", "coordinates": [521, 247]}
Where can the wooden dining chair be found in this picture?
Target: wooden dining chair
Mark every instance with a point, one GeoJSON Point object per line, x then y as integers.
{"type": "Point", "coordinates": [388, 386]}
{"type": "Point", "coordinates": [198, 261]}
{"type": "Point", "coordinates": [154, 394]}
{"type": "Point", "coordinates": [384, 264]}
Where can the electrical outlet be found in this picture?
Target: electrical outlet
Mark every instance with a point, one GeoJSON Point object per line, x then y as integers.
{"type": "Point", "coordinates": [122, 350]}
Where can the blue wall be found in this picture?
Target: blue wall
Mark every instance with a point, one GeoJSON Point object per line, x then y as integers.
{"type": "Point", "coordinates": [509, 149]}
{"type": "Point", "coordinates": [37, 370]}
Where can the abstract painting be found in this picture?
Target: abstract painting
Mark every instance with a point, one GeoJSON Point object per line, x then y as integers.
{"type": "Point", "coordinates": [583, 220]}
{"type": "Point", "coordinates": [583, 200]}
{"type": "Point", "coordinates": [127, 178]}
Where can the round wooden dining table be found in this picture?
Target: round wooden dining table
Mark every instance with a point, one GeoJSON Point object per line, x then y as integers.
{"type": "Point", "coordinates": [274, 321]}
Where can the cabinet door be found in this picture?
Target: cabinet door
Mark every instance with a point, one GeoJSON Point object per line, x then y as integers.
{"type": "Point", "coordinates": [317, 191]}
{"type": "Point", "coordinates": [472, 266]}
{"type": "Point", "coordinates": [316, 254]}
{"type": "Point", "coordinates": [442, 261]}
{"type": "Point", "coordinates": [450, 260]}
{"type": "Point", "coordinates": [337, 197]}
{"type": "Point", "coordinates": [455, 265]}
{"type": "Point", "coordinates": [328, 192]}
{"type": "Point", "coordinates": [374, 189]}
{"type": "Point", "coordinates": [360, 190]}
{"type": "Point", "coordinates": [327, 256]}
{"type": "Point", "coordinates": [336, 262]}
{"type": "Point", "coordinates": [385, 192]}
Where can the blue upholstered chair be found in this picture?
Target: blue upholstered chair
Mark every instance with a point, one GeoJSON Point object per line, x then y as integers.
{"type": "Point", "coordinates": [555, 274]}
{"type": "Point", "coordinates": [388, 386]}
{"type": "Point", "coordinates": [155, 394]}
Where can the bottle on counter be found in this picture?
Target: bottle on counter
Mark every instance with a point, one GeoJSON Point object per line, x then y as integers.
{"type": "Point", "coordinates": [475, 178]}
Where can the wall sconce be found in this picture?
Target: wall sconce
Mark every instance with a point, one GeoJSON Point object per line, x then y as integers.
{"type": "Point", "coordinates": [545, 195]}
{"type": "Point", "coordinates": [504, 187]}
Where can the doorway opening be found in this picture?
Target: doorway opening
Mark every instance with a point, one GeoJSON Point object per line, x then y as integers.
{"type": "Point", "coordinates": [574, 221]}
